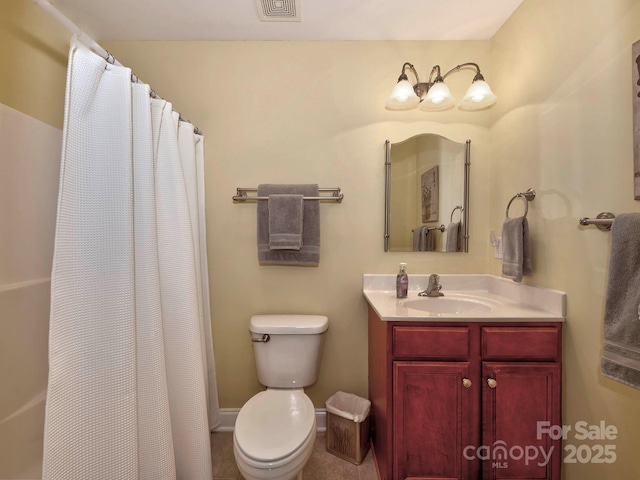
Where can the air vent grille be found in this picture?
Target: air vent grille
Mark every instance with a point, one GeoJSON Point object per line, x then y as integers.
{"type": "Point", "coordinates": [279, 10]}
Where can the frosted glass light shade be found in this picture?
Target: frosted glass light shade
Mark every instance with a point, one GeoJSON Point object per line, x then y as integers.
{"type": "Point", "coordinates": [479, 95]}
{"type": "Point", "coordinates": [403, 97]}
{"type": "Point", "coordinates": [438, 98]}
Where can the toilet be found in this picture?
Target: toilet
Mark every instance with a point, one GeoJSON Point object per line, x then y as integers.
{"type": "Point", "coordinates": [275, 430]}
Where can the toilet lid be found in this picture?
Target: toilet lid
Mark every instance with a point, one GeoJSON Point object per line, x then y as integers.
{"type": "Point", "coordinates": [274, 423]}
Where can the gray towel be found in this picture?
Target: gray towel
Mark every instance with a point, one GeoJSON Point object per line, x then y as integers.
{"type": "Point", "coordinates": [621, 351]}
{"type": "Point", "coordinates": [424, 240]}
{"type": "Point", "coordinates": [516, 248]}
{"type": "Point", "coordinates": [430, 239]}
{"type": "Point", "coordinates": [285, 221]}
{"type": "Point", "coordinates": [309, 253]}
{"type": "Point", "coordinates": [453, 237]}
{"type": "Point", "coordinates": [419, 239]}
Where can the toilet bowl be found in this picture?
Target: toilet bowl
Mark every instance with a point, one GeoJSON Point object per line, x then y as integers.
{"type": "Point", "coordinates": [274, 435]}
{"type": "Point", "coordinates": [275, 430]}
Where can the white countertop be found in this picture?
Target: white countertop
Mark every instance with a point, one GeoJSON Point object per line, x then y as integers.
{"type": "Point", "coordinates": [506, 299]}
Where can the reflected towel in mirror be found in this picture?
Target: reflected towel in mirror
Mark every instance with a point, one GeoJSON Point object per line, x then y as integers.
{"type": "Point", "coordinates": [454, 238]}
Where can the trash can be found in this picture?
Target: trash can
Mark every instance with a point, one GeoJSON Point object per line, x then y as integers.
{"type": "Point", "coordinates": [348, 426]}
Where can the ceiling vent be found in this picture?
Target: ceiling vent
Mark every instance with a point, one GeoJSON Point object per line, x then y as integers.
{"type": "Point", "coordinates": [279, 10]}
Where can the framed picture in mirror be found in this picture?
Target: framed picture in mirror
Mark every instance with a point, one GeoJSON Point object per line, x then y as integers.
{"type": "Point", "coordinates": [429, 195]}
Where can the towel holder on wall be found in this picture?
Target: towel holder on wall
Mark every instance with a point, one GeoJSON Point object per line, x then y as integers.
{"type": "Point", "coordinates": [457, 207]}
{"type": "Point", "coordinates": [336, 195]}
{"type": "Point", "coordinates": [527, 195]}
{"type": "Point", "coordinates": [442, 228]}
{"type": "Point", "coordinates": [603, 221]}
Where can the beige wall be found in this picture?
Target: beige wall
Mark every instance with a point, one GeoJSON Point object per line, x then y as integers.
{"type": "Point", "coordinates": [302, 112]}
{"type": "Point", "coordinates": [32, 77]}
{"type": "Point", "coordinates": [33, 52]}
{"type": "Point", "coordinates": [563, 125]}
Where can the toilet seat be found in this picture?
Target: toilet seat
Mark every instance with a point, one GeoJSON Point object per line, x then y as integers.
{"type": "Point", "coordinates": [273, 425]}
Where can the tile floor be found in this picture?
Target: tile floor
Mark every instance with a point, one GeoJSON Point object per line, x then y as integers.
{"type": "Point", "coordinates": [321, 466]}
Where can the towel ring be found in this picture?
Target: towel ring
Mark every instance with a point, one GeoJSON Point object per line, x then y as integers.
{"type": "Point", "coordinates": [528, 195]}
{"type": "Point", "coordinates": [458, 207]}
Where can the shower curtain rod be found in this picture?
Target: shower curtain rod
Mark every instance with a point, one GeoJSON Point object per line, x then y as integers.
{"type": "Point", "coordinates": [94, 46]}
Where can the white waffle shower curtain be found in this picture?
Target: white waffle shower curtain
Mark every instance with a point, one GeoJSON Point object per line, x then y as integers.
{"type": "Point", "coordinates": [132, 392]}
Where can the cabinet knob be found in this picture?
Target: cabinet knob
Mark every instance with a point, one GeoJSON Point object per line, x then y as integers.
{"type": "Point", "coordinates": [466, 383]}
{"type": "Point", "coordinates": [492, 382]}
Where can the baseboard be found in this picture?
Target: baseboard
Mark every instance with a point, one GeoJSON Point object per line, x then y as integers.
{"type": "Point", "coordinates": [228, 419]}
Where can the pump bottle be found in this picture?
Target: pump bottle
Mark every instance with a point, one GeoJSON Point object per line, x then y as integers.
{"type": "Point", "coordinates": [402, 282]}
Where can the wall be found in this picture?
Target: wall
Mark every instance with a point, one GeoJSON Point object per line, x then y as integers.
{"type": "Point", "coordinates": [33, 50]}
{"type": "Point", "coordinates": [563, 125]}
{"type": "Point", "coordinates": [32, 78]}
{"type": "Point", "coordinates": [280, 112]}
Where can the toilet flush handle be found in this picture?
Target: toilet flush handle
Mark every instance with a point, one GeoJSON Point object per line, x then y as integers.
{"type": "Point", "coordinates": [263, 339]}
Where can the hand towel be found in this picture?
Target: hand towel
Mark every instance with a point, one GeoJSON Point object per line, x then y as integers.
{"type": "Point", "coordinates": [453, 237]}
{"type": "Point", "coordinates": [309, 253]}
{"type": "Point", "coordinates": [285, 221]}
{"type": "Point", "coordinates": [516, 248]}
{"type": "Point", "coordinates": [419, 238]}
{"type": "Point", "coordinates": [430, 239]}
{"type": "Point", "coordinates": [621, 350]}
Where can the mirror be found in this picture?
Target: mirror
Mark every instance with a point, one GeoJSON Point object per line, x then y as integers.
{"type": "Point", "coordinates": [427, 195]}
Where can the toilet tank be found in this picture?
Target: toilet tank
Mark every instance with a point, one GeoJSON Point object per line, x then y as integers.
{"type": "Point", "coordinates": [291, 357]}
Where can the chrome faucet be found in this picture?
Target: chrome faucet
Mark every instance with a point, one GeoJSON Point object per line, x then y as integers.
{"type": "Point", "coordinates": [434, 287]}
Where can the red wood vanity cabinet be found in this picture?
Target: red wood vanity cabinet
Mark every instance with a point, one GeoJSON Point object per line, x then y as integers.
{"type": "Point", "coordinates": [462, 400]}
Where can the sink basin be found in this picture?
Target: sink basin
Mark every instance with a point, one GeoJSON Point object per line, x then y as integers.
{"type": "Point", "coordinates": [447, 305]}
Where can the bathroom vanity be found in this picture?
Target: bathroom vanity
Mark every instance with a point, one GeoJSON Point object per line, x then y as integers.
{"type": "Point", "coordinates": [467, 388]}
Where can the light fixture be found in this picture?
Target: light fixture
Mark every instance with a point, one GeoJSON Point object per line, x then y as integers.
{"type": "Point", "coordinates": [435, 96]}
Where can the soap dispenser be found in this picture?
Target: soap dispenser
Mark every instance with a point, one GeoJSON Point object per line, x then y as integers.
{"type": "Point", "coordinates": [402, 282]}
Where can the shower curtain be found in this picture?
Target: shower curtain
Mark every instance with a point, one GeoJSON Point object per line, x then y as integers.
{"type": "Point", "coordinates": [132, 391]}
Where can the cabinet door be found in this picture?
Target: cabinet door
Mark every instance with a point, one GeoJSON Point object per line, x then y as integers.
{"type": "Point", "coordinates": [434, 414]}
{"type": "Point", "coordinates": [517, 398]}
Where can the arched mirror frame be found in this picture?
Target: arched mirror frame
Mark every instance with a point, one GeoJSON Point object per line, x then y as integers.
{"type": "Point", "coordinates": [387, 196]}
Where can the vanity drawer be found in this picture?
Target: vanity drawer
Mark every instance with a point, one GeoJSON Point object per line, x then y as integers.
{"type": "Point", "coordinates": [431, 342]}
{"type": "Point", "coordinates": [521, 343]}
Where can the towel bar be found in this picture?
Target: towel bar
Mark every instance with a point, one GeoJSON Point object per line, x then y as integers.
{"type": "Point", "coordinates": [602, 221]}
{"type": "Point", "coordinates": [528, 195]}
{"type": "Point", "coordinates": [442, 228]}
{"type": "Point", "coordinates": [241, 195]}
